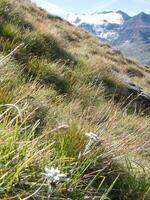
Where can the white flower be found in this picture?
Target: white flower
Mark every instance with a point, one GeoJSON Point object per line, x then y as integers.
{"type": "Point", "coordinates": [92, 136]}
{"type": "Point", "coordinates": [54, 175]}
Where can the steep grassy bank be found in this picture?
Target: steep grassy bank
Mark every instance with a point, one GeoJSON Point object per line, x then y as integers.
{"type": "Point", "coordinates": [58, 85]}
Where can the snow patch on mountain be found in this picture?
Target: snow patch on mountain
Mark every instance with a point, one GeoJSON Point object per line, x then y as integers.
{"type": "Point", "coordinates": [109, 35]}
{"type": "Point", "coordinates": [105, 25]}
{"type": "Point", "coordinates": [96, 18]}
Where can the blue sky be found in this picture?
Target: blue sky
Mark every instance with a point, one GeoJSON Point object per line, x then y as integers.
{"type": "Point", "coordinates": [62, 7]}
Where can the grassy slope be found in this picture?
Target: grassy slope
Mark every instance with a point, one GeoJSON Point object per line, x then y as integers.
{"type": "Point", "coordinates": [58, 77]}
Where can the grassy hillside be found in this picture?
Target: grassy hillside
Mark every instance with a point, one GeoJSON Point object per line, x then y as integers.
{"type": "Point", "coordinates": [58, 84]}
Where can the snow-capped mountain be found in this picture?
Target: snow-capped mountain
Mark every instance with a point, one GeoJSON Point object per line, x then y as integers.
{"type": "Point", "coordinates": [129, 34]}
{"type": "Point", "coordinates": [104, 25]}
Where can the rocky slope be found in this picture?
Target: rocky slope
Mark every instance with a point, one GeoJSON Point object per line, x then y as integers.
{"type": "Point", "coordinates": [134, 38]}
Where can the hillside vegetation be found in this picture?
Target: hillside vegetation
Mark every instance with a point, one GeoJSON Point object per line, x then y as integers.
{"type": "Point", "coordinates": [68, 101]}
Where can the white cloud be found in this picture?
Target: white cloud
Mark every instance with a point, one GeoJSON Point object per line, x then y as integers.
{"type": "Point", "coordinates": [50, 7]}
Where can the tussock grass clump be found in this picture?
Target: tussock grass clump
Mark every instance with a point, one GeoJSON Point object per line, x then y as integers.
{"type": "Point", "coordinates": [5, 96]}
{"type": "Point", "coordinates": [78, 154]}
{"type": "Point", "coordinates": [132, 184]}
{"type": "Point", "coordinates": [44, 46]}
{"type": "Point", "coordinates": [9, 31]}
{"type": "Point", "coordinates": [48, 73]}
{"type": "Point", "coordinates": [53, 148]}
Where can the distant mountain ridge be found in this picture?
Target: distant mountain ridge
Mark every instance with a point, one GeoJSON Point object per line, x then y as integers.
{"type": "Point", "coordinates": [104, 25]}
{"type": "Point", "coordinates": [129, 34]}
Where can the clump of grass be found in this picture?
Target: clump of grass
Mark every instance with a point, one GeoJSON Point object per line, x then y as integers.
{"type": "Point", "coordinates": [24, 156]}
{"type": "Point", "coordinates": [23, 161]}
{"type": "Point", "coordinates": [7, 13]}
{"type": "Point", "coordinates": [5, 96]}
{"type": "Point", "coordinates": [10, 31]}
{"type": "Point", "coordinates": [49, 73]}
{"type": "Point", "coordinates": [132, 184]}
{"type": "Point", "coordinates": [44, 47]}
{"type": "Point", "coordinates": [5, 9]}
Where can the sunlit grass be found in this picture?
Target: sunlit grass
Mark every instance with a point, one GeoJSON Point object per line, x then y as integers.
{"type": "Point", "coordinates": [58, 88]}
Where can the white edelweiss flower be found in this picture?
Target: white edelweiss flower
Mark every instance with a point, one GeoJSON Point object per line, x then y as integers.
{"type": "Point", "coordinates": [92, 136]}
{"type": "Point", "coordinates": [54, 175]}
